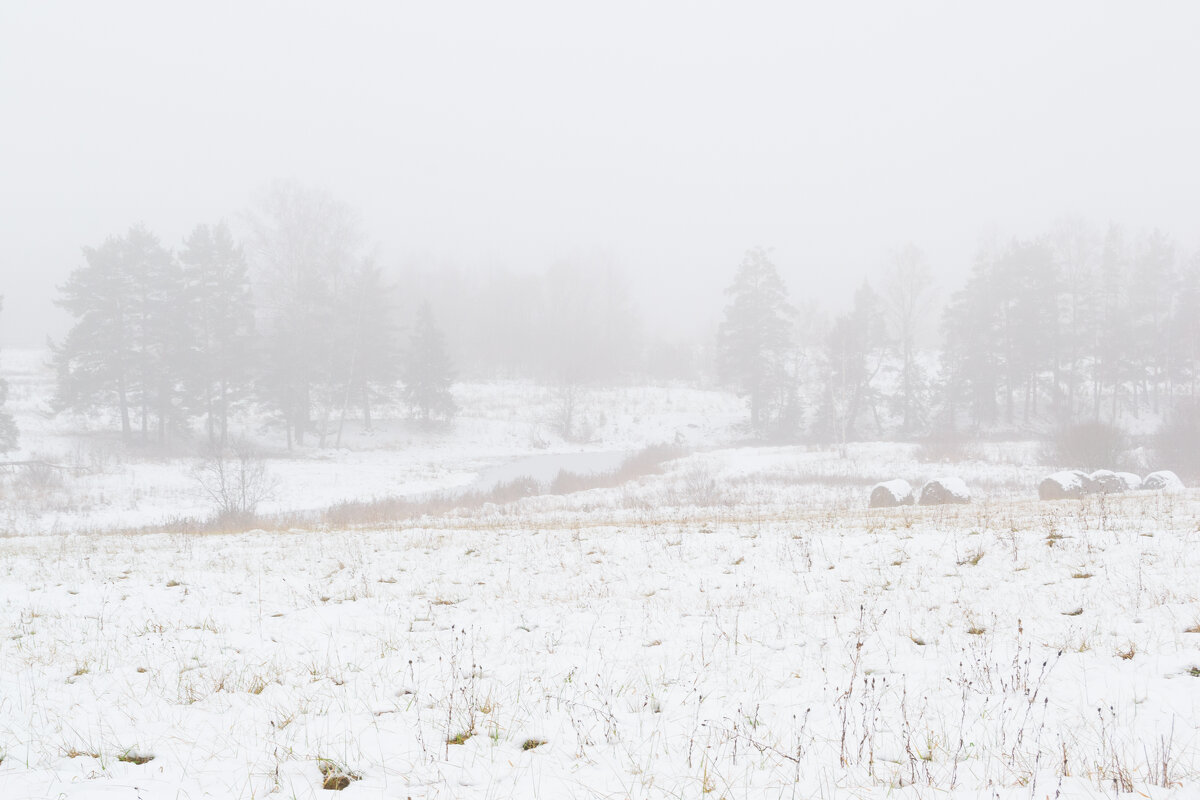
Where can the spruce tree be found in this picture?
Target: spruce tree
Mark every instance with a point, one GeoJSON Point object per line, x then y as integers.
{"type": "Point", "coordinates": [756, 339]}
{"type": "Point", "coordinates": [428, 373]}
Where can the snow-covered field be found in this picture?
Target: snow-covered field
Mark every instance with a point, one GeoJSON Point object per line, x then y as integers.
{"type": "Point", "coordinates": [1014, 650]}
{"type": "Point", "coordinates": [735, 624]}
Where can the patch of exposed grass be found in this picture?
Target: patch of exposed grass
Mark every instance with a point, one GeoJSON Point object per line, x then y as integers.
{"type": "Point", "coordinates": [461, 737]}
{"type": "Point", "coordinates": [530, 744]}
{"type": "Point", "coordinates": [134, 757]}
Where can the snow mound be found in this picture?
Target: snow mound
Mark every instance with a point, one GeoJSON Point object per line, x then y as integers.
{"type": "Point", "coordinates": [890, 494]}
{"type": "Point", "coordinates": [1163, 481]}
{"type": "Point", "coordinates": [944, 491]}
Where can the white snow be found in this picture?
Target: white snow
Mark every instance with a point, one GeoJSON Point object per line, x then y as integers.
{"type": "Point", "coordinates": [953, 650]}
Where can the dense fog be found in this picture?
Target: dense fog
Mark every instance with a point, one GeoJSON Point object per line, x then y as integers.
{"type": "Point", "coordinates": [662, 141]}
{"type": "Point", "coordinates": [480, 400]}
{"type": "Point", "coordinates": [889, 224]}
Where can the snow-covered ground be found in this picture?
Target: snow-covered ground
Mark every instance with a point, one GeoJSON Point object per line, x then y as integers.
{"type": "Point", "coordinates": [732, 624]}
{"type": "Point", "coordinates": [1017, 649]}
{"type": "Point", "coordinates": [108, 485]}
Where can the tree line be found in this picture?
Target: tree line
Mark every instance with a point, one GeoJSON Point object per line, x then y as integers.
{"type": "Point", "coordinates": [162, 338]}
{"type": "Point", "coordinates": [295, 319]}
{"type": "Point", "coordinates": [1066, 327]}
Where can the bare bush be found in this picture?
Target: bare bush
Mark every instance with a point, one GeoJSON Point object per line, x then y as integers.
{"type": "Point", "coordinates": [39, 478]}
{"type": "Point", "coordinates": [236, 481]}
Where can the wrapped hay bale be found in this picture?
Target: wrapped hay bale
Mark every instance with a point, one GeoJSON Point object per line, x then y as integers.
{"type": "Point", "coordinates": [1132, 482]}
{"type": "Point", "coordinates": [1163, 481]}
{"type": "Point", "coordinates": [890, 494]}
{"type": "Point", "coordinates": [944, 491]}
{"type": "Point", "coordinates": [1065, 485]}
{"type": "Point", "coordinates": [1106, 481]}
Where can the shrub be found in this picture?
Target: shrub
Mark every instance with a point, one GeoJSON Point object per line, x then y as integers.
{"type": "Point", "coordinates": [235, 480]}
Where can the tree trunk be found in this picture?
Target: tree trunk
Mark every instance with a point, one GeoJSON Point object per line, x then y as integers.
{"type": "Point", "coordinates": [126, 428]}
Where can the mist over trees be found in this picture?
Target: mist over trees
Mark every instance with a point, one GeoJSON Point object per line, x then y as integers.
{"type": "Point", "coordinates": [296, 319]}
{"type": "Point", "coordinates": [1069, 327]}
{"type": "Point", "coordinates": [1072, 326]}
{"type": "Point", "coordinates": [297, 323]}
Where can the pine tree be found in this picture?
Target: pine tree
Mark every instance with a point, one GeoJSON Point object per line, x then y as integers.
{"type": "Point", "coordinates": [756, 340]}
{"type": "Point", "coordinates": [220, 314]}
{"type": "Point", "coordinates": [9, 435]}
{"type": "Point", "coordinates": [428, 374]}
{"type": "Point", "coordinates": [94, 361]}
{"type": "Point", "coordinates": [125, 351]}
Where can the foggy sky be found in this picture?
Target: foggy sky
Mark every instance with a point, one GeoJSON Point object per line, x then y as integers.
{"type": "Point", "coordinates": [669, 136]}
